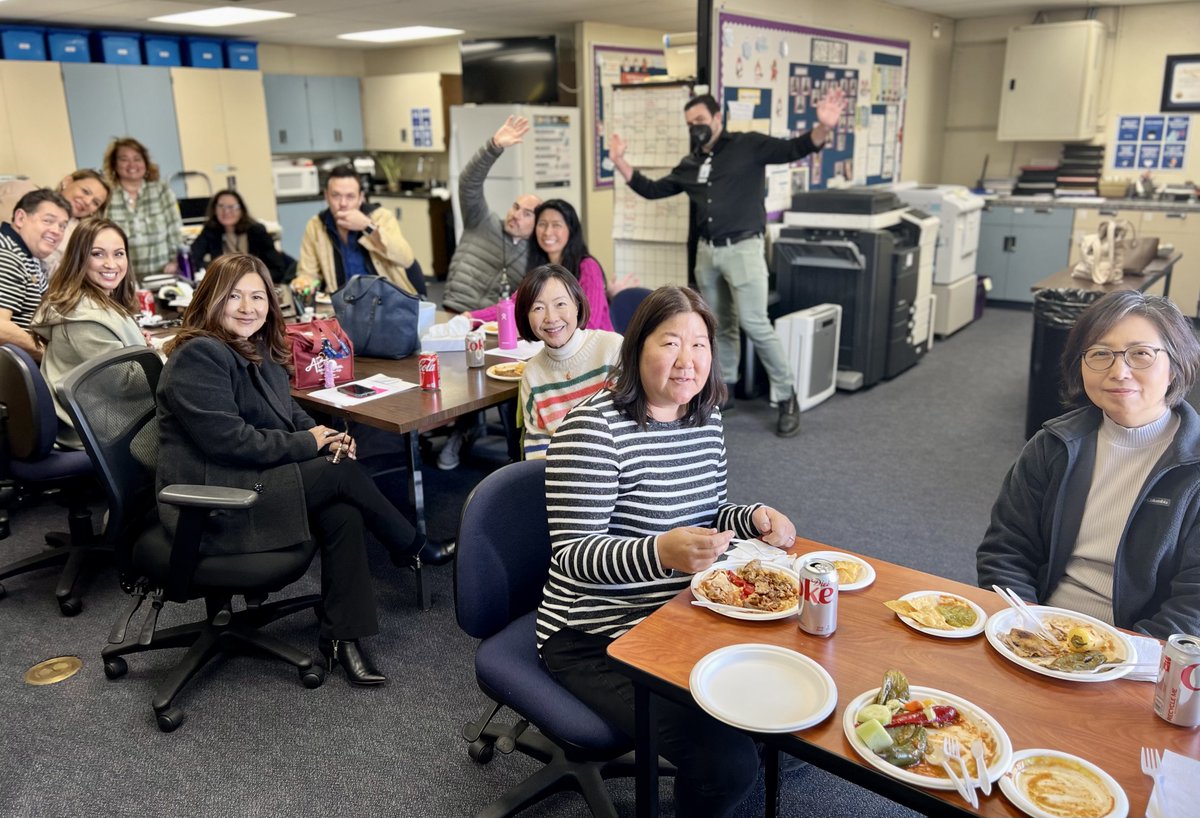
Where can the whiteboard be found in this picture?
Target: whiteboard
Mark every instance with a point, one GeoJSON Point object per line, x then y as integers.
{"type": "Point", "coordinates": [770, 76]}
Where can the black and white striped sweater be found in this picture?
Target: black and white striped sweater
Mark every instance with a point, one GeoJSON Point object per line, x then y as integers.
{"type": "Point", "coordinates": [611, 489]}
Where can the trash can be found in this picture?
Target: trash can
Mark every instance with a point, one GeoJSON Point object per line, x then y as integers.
{"type": "Point", "coordinates": [1054, 313]}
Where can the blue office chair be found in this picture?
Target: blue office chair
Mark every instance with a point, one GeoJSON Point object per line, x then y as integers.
{"type": "Point", "coordinates": [30, 426]}
{"type": "Point", "coordinates": [503, 561]}
{"type": "Point", "coordinates": [624, 304]}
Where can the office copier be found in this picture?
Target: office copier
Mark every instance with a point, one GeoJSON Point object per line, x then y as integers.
{"type": "Point", "coordinates": [852, 248]}
{"type": "Point", "coordinates": [958, 242]}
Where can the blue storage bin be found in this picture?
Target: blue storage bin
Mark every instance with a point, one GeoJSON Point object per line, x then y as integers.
{"type": "Point", "coordinates": [68, 44]}
{"type": "Point", "coordinates": [162, 50]}
{"type": "Point", "coordinates": [23, 42]}
{"type": "Point", "coordinates": [241, 54]}
{"type": "Point", "coordinates": [203, 52]}
{"type": "Point", "coordinates": [119, 47]}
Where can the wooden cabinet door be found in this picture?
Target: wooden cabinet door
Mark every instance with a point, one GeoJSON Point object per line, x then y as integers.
{"type": "Point", "coordinates": [248, 149]}
{"type": "Point", "coordinates": [1183, 231]}
{"type": "Point", "coordinates": [388, 105]}
{"type": "Point", "coordinates": [287, 112]}
{"type": "Point", "coordinates": [150, 114]}
{"type": "Point", "coordinates": [201, 116]}
{"type": "Point", "coordinates": [37, 120]}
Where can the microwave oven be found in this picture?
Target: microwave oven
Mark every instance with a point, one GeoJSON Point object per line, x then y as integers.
{"type": "Point", "coordinates": [296, 180]}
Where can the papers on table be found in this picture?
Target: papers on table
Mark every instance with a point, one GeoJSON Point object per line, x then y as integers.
{"type": "Point", "coordinates": [524, 351]}
{"type": "Point", "coordinates": [382, 386]}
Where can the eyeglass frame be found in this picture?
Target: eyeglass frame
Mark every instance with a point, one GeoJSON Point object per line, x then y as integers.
{"type": "Point", "coordinates": [1124, 354]}
{"type": "Point", "coordinates": [228, 208]}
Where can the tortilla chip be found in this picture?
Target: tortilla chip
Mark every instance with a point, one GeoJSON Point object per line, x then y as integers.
{"type": "Point", "coordinates": [848, 571]}
{"type": "Point", "coordinates": [924, 610]}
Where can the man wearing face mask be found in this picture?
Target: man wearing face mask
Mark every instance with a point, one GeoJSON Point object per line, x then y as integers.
{"type": "Point", "coordinates": [723, 176]}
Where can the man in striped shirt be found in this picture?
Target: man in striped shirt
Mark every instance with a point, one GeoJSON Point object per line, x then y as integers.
{"type": "Point", "coordinates": [38, 223]}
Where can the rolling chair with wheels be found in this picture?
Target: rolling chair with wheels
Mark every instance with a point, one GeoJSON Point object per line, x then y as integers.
{"type": "Point", "coordinates": [29, 458]}
{"type": "Point", "coordinates": [624, 304]}
{"type": "Point", "coordinates": [112, 401]}
{"type": "Point", "coordinates": [503, 561]}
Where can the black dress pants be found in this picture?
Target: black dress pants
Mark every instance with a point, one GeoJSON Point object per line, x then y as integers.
{"type": "Point", "coordinates": [717, 764]}
{"type": "Point", "coordinates": [342, 503]}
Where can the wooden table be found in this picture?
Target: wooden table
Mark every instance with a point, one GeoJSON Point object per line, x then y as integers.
{"type": "Point", "coordinates": [1106, 722]}
{"type": "Point", "coordinates": [1158, 269]}
{"type": "Point", "coordinates": [464, 389]}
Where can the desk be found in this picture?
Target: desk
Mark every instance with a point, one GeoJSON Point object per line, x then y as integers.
{"type": "Point", "coordinates": [1158, 269]}
{"type": "Point", "coordinates": [1035, 711]}
{"type": "Point", "coordinates": [464, 389]}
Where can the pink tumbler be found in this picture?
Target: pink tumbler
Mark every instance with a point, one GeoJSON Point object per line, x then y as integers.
{"type": "Point", "coordinates": [506, 322]}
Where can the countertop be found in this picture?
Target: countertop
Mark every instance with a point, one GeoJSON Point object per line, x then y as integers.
{"type": "Point", "coordinates": [1107, 204]}
{"type": "Point", "coordinates": [374, 197]}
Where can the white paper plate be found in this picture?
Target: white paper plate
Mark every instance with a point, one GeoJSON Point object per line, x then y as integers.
{"type": "Point", "coordinates": [1009, 786]}
{"type": "Point", "coordinates": [744, 613]}
{"type": "Point", "coordinates": [763, 688]}
{"type": "Point", "coordinates": [492, 373]}
{"type": "Point", "coordinates": [996, 767]}
{"type": "Point", "coordinates": [1006, 620]}
{"type": "Point", "coordinates": [490, 328]}
{"type": "Point", "coordinates": [946, 633]}
{"type": "Point", "coordinates": [866, 575]}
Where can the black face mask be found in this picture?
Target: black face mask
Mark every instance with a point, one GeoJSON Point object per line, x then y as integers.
{"type": "Point", "coordinates": [700, 135]}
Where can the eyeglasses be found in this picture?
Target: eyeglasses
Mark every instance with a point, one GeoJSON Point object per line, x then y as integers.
{"type": "Point", "coordinates": [229, 208]}
{"type": "Point", "coordinates": [1139, 356]}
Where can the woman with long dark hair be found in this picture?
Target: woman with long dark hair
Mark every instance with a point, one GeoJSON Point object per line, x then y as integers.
{"type": "Point", "coordinates": [229, 228]}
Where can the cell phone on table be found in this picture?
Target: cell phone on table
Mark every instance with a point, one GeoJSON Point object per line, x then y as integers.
{"type": "Point", "coordinates": [355, 390]}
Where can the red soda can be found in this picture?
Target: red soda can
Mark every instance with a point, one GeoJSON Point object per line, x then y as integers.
{"type": "Point", "coordinates": [431, 373]}
{"type": "Point", "coordinates": [1177, 693]}
{"type": "Point", "coordinates": [818, 598]}
{"type": "Point", "coordinates": [146, 302]}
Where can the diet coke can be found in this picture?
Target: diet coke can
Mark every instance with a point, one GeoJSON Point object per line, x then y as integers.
{"type": "Point", "coordinates": [145, 302]}
{"type": "Point", "coordinates": [475, 343]}
{"type": "Point", "coordinates": [818, 598]}
{"type": "Point", "coordinates": [1177, 694]}
{"type": "Point", "coordinates": [431, 373]}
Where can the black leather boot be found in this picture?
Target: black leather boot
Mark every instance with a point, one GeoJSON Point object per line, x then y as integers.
{"type": "Point", "coordinates": [353, 659]}
{"type": "Point", "coordinates": [789, 417]}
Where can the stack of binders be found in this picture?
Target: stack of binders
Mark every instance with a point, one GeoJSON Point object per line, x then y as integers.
{"type": "Point", "coordinates": [1080, 170]}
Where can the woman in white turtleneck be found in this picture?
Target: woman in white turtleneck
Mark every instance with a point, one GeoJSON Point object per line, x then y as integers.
{"type": "Point", "coordinates": [1101, 512]}
{"type": "Point", "coordinates": [573, 364]}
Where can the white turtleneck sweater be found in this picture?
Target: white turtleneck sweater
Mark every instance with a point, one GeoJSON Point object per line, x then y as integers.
{"type": "Point", "coordinates": [1124, 459]}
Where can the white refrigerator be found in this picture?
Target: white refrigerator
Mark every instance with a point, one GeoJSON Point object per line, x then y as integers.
{"type": "Point", "coordinates": [547, 163]}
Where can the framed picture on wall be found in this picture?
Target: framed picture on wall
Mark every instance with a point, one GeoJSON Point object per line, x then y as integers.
{"type": "Point", "coordinates": [1181, 83]}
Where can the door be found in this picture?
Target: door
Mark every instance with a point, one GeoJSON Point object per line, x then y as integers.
{"type": "Point", "coordinates": [42, 147]}
{"type": "Point", "coordinates": [347, 104]}
{"type": "Point", "coordinates": [150, 114]}
{"type": "Point", "coordinates": [287, 112]}
{"type": "Point", "coordinates": [201, 115]}
{"type": "Point", "coordinates": [322, 114]}
{"type": "Point", "coordinates": [248, 148]}
{"type": "Point", "coordinates": [1038, 248]}
{"type": "Point", "coordinates": [95, 109]}
{"type": "Point", "coordinates": [992, 256]}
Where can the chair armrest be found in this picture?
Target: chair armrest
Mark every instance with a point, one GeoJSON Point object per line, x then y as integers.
{"type": "Point", "coordinates": [186, 496]}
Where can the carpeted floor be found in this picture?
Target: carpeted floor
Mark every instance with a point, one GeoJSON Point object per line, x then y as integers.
{"type": "Point", "coordinates": [906, 471]}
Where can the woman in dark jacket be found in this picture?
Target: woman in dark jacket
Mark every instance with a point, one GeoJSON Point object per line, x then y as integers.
{"type": "Point", "coordinates": [229, 228]}
{"type": "Point", "coordinates": [226, 418]}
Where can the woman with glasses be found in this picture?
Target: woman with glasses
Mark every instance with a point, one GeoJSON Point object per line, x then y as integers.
{"type": "Point", "coordinates": [1101, 512]}
{"type": "Point", "coordinates": [229, 228]}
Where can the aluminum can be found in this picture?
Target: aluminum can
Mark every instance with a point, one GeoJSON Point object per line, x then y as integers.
{"type": "Point", "coordinates": [818, 598]}
{"type": "Point", "coordinates": [431, 373]}
{"type": "Point", "coordinates": [1177, 693]}
{"type": "Point", "coordinates": [476, 341]}
{"type": "Point", "coordinates": [146, 301]}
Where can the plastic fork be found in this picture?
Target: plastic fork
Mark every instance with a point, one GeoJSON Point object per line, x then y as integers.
{"type": "Point", "coordinates": [985, 781]}
{"type": "Point", "coordinates": [1016, 603]}
{"type": "Point", "coordinates": [1101, 668]}
{"type": "Point", "coordinates": [1151, 766]}
{"type": "Point", "coordinates": [953, 751]}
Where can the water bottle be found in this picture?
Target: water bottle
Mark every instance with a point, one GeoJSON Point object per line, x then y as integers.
{"type": "Point", "coordinates": [506, 322]}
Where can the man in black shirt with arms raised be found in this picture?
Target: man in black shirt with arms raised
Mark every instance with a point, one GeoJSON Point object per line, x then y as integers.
{"type": "Point", "coordinates": [724, 178]}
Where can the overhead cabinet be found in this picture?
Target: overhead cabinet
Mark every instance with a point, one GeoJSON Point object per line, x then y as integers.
{"type": "Point", "coordinates": [1051, 81]}
{"type": "Point", "coordinates": [35, 130]}
{"type": "Point", "coordinates": [313, 113]}
{"type": "Point", "coordinates": [408, 112]}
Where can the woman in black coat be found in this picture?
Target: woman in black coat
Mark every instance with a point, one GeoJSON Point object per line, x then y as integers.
{"type": "Point", "coordinates": [229, 228]}
{"type": "Point", "coordinates": [226, 418]}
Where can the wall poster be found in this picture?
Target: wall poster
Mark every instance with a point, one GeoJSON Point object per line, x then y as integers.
{"type": "Point", "coordinates": [617, 65]}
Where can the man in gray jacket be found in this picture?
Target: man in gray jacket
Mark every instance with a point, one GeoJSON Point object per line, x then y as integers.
{"type": "Point", "coordinates": [491, 249]}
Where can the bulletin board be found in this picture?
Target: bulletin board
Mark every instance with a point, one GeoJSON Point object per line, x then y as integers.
{"type": "Point", "coordinates": [770, 76]}
{"type": "Point", "coordinates": [616, 65]}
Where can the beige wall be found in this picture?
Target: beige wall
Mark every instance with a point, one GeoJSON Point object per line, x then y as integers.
{"type": "Point", "coordinates": [299, 59]}
{"type": "Point", "coordinates": [598, 204]}
{"type": "Point", "coordinates": [1139, 38]}
{"type": "Point", "coordinates": [441, 57]}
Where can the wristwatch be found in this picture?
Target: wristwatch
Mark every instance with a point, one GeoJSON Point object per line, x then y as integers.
{"type": "Point", "coordinates": [368, 230]}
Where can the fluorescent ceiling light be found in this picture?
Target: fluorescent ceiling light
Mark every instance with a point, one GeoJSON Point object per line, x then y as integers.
{"type": "Point", "coordinates": [397, 35]}
{"type": "Point", "coordinates": [220, 16]}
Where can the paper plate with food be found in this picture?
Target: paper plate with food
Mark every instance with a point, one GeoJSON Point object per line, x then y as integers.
{"type": "Point", "coordinates": [940, 613]}
{"type": "Point", "coordinates": [1052, 784]}
{"type": "Point", "coordinates": [854, 574]}
{"type": "Point", "coordinates": [490, 327]}
{"type": "Point", "coordinates": [899, 729]}
{"type": "Point", "coordinates": [749, 590]}
{"type": "Point", "coordinates": [1081, 644]}
{"type": "Point", "coordinates": [509, 371]}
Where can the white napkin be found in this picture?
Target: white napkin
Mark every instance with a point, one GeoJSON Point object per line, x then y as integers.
{"type": "Point", "coordinates": [1177, 796]}
{"type": "Point", "coordinates": [524, 351]}
{"type": "Point", "coordinates": [746, 550]}
{"type": "Point", "coordinates": [448, 337]}
{"type": "Point", "coordinates": [1147, 651]}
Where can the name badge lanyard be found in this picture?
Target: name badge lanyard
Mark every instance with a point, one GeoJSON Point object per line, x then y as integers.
{"type": "Point", "coordinates": [705, 169]}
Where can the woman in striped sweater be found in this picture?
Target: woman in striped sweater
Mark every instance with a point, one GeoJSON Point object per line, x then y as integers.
{"type": "Point", "coordinates": [635, 490]}
{"type": "Point", "coordinates": [573, 363]}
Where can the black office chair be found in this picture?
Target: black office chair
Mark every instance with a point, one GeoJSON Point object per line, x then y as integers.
{"type": "Point", "coordinates": [28, 459]}
{"type": "Point", "coordinates": [624, 304]}
{"type": "Point", "coordinates": [503, 561]}
{"type": "Point", "coordinates": [112, 401]}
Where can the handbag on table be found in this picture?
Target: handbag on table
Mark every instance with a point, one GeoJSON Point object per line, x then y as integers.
{"type": "Point", "coordinates": [316, 346]}
{"type": "Point", "coordinates": [1103, 252]}
{"type": "Point", "coordinates": [380, 318]}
